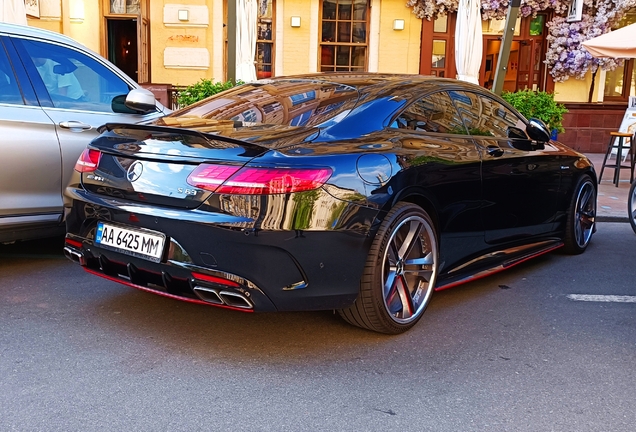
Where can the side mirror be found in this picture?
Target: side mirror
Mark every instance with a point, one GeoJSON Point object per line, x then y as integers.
{"type": "Point", "coordinates": [118, 105]}
{"type": "Point", "coordinates": [138, 101]}
{"type": "Point", "coordinates": [516, 133]}
{"type": "Point", "coordinates": [519, 139]}
{"type": "Point", "coordinates": [538, 131]}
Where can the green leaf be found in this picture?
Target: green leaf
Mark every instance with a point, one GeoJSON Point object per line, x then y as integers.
{"type": "Point", "coordinates": [203, 89]}
{"type": "Point", "coordinates": [539, 105]}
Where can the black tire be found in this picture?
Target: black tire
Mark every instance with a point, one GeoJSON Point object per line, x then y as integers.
{"type": "Point", "coordinates": [581, 218]}
{"type": "Point", "coordinates": [631, 206]}
{"type": "Point", "coordinates": [404, 258]}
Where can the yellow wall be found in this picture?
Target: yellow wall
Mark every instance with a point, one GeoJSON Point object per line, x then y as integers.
{"type": "Point", "coordinates": [297, 56]}
{"type": "Point", "coordinates": [84, 29]}
{"type": "Point", "coordinates": [55, 26]}
{"type": "Point", "coordinates": [162, 36]}
{"type": "Point", "coordinates": [574, 90]}
{"type": "Point", "coordinates": [90, 32]}
{"type": "Point", "coordinates": [87, 31]}
{"type": "Point", "coordinates": [297, 49]}
{"type": "Point", "coordinates": [398, 50]}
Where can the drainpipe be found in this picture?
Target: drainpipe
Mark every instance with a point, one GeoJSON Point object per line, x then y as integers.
{"type": "Point", "coordinates": [504, 50]}
{"type": "Point", "coordinates": [66, 18]}
{"type": "Point", "coordinates": [231, 40]}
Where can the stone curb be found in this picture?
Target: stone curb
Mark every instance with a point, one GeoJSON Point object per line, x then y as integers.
{"type": "Point", "coordinates": [612, 219]}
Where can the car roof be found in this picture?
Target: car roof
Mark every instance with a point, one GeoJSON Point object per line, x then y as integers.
{"type": "Point", "coordinates": [21, 30]}
{"type": "Point", "coordinates": [385, 83]}
{"type": "Point", "coordinates": [51, 36]}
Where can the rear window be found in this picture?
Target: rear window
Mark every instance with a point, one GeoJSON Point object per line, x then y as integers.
{"type": "Point", "coordinates": [273, 102]}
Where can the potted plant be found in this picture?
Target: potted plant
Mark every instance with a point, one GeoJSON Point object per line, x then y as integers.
{"type": "Point", "coordinates": [538, 104]}
{"type": "Point", "coordinates": [201, 90]}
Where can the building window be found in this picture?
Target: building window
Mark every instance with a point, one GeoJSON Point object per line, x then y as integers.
{"type": "Point", "coordinates": [437, 57]}
{"type": "Point", "coordinates": [344, 35]}
{"type": "Point", "coordinates": [300, 98]}
{"type": "Point", "coordinates": [621, 82]}
{"type": "Point", "coordinates": [125, 7]}
{"type": "Point", "coordinates": [525, 67]}
{"type": "Point", "coordinates": [265, 41]}
{"type": "Point", "coordinates": [497, 27]}
{"type": "Point", "coordinates": [537, 25]}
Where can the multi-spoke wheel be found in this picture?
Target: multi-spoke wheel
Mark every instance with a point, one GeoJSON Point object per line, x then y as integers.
{"type": "Point", "coordinates": [400, 272]}
{"type": "Point", "coordinates": [631, 206]}
{"type": "Point", "coordinates": [581, 217]}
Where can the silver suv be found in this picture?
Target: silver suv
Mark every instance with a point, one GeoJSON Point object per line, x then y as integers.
{"type": "Point", "coordinates": [54, 94]}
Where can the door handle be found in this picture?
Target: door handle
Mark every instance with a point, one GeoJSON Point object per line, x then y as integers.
{"type": "Point", "coordinates": [494, 151]}
{"type": "Point", "coordinates": [75, 126]}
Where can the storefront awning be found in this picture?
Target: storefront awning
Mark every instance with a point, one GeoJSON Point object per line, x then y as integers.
{"type": "Point", "coordinates": [619, 43]}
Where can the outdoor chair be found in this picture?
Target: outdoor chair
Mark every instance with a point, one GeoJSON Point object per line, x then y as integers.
{"type": "Point", "coordinates": [622, 144]}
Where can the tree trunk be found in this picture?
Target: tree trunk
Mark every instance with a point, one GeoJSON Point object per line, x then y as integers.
{"type": "Point", "coordinates": [589, 97]}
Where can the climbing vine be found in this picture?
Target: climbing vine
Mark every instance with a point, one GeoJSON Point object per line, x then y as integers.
{"type": "Point", "coordinates": [565, 56]}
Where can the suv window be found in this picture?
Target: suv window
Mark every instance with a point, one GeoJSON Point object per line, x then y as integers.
{"type": "Point", "coordinates": [432, 113]}
{"type": "Point", "coordinates": [9, 90]}
{"type": "Point", "coordinates": [74, 80]}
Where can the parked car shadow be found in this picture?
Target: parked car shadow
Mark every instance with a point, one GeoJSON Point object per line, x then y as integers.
{"type": "Point", "coordinates": [209, 333]}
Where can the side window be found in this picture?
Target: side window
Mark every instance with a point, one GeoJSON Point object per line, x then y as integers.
{"type": "Point", "coordinates": [432, 113]}
{"type": "Point", "coordinates": [73, 79]}
{"type": "Point", "coordinates": [485, 116]}
{"type": "Point", "coordinates": [9, 90]}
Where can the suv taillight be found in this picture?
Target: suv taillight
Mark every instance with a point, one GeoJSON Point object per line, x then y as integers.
{"type": "Point", "coordinates": [88, 161]}
{"type": "Point", "coordinates": [233, 180]}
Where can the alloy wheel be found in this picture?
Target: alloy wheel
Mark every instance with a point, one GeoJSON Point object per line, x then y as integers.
{"type": "Point", "coordinates": [409, 269]}
{"type": "Point", "coordinates": [585, 216]}
{"type": "Point", "coordinates": [631, 206]}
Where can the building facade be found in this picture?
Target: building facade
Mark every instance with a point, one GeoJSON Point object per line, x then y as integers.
{"type": "Point", "coordinates": [178, 42]}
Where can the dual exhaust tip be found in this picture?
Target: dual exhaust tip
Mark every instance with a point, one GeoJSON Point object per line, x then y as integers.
{"type": "Point", "coordinates": [74, 255]}
{"type": "Point", "coordinates": [208, 295]}
{"type": "Point", "coordinates": [227, 298]}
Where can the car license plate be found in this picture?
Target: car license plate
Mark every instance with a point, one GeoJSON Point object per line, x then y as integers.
{"type": "Point", "coordinates": [132, 241]}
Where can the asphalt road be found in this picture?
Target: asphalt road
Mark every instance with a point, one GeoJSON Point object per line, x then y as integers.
{"type": "Point", "coordinates": [508, 353]}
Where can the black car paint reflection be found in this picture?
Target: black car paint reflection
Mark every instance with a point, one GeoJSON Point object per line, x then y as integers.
{"type": "Point", "coordinates": [397, 148]}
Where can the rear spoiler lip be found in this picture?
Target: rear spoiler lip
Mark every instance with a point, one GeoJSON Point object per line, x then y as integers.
{"type": "Point", "coordinates": [181, 131]}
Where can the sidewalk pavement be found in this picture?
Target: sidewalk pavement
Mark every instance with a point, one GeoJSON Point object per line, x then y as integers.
{"type": "Point", "coordinates": [612, 200]}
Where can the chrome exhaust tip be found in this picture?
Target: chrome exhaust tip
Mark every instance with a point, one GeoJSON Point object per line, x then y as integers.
{"type": "Point", "coordinates": [74, 255]}
{"type": "Point", "coordinates": [207, 295]}
{"type": "Point", "coordinates": [227, 298]}
{"type": "Point", "coordinates": [235, 300]}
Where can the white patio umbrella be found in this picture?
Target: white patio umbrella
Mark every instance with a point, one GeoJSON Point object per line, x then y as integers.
{"type": "Point", "coordinates": [469, 44]}
{"type": "Point", "coordinates": [246, 22]}
{"type": "Point", "coordinates": [619, 43]}
{"type": "Point", "coordinates": [13, 11]}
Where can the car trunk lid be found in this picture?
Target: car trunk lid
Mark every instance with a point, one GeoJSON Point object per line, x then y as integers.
{"type": "Point", "coordinates": [151, 164]}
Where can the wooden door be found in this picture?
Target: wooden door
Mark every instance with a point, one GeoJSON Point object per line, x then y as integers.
{"type": "Point", "coordinates": [143, 39]}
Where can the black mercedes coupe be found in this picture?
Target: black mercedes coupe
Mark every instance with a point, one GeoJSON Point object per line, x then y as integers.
{"type": "Point", "coordinates": [361, 193]}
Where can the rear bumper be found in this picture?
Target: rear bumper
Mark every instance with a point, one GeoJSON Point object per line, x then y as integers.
{"type": "Point", "coordinates": [212, 261]}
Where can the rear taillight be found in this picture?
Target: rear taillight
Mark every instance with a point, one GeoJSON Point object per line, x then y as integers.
{"type": "Point", "coordinates": [257, 180]}
{"type": "Point", "coordinates": [88, 161]}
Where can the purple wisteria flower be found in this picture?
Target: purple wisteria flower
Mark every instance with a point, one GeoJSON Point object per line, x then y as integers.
{"type": "Point", "coordinates": [565, 56]}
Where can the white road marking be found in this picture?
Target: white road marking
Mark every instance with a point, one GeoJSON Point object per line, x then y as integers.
{"type": "Point", "coordinates": [602, 298]}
